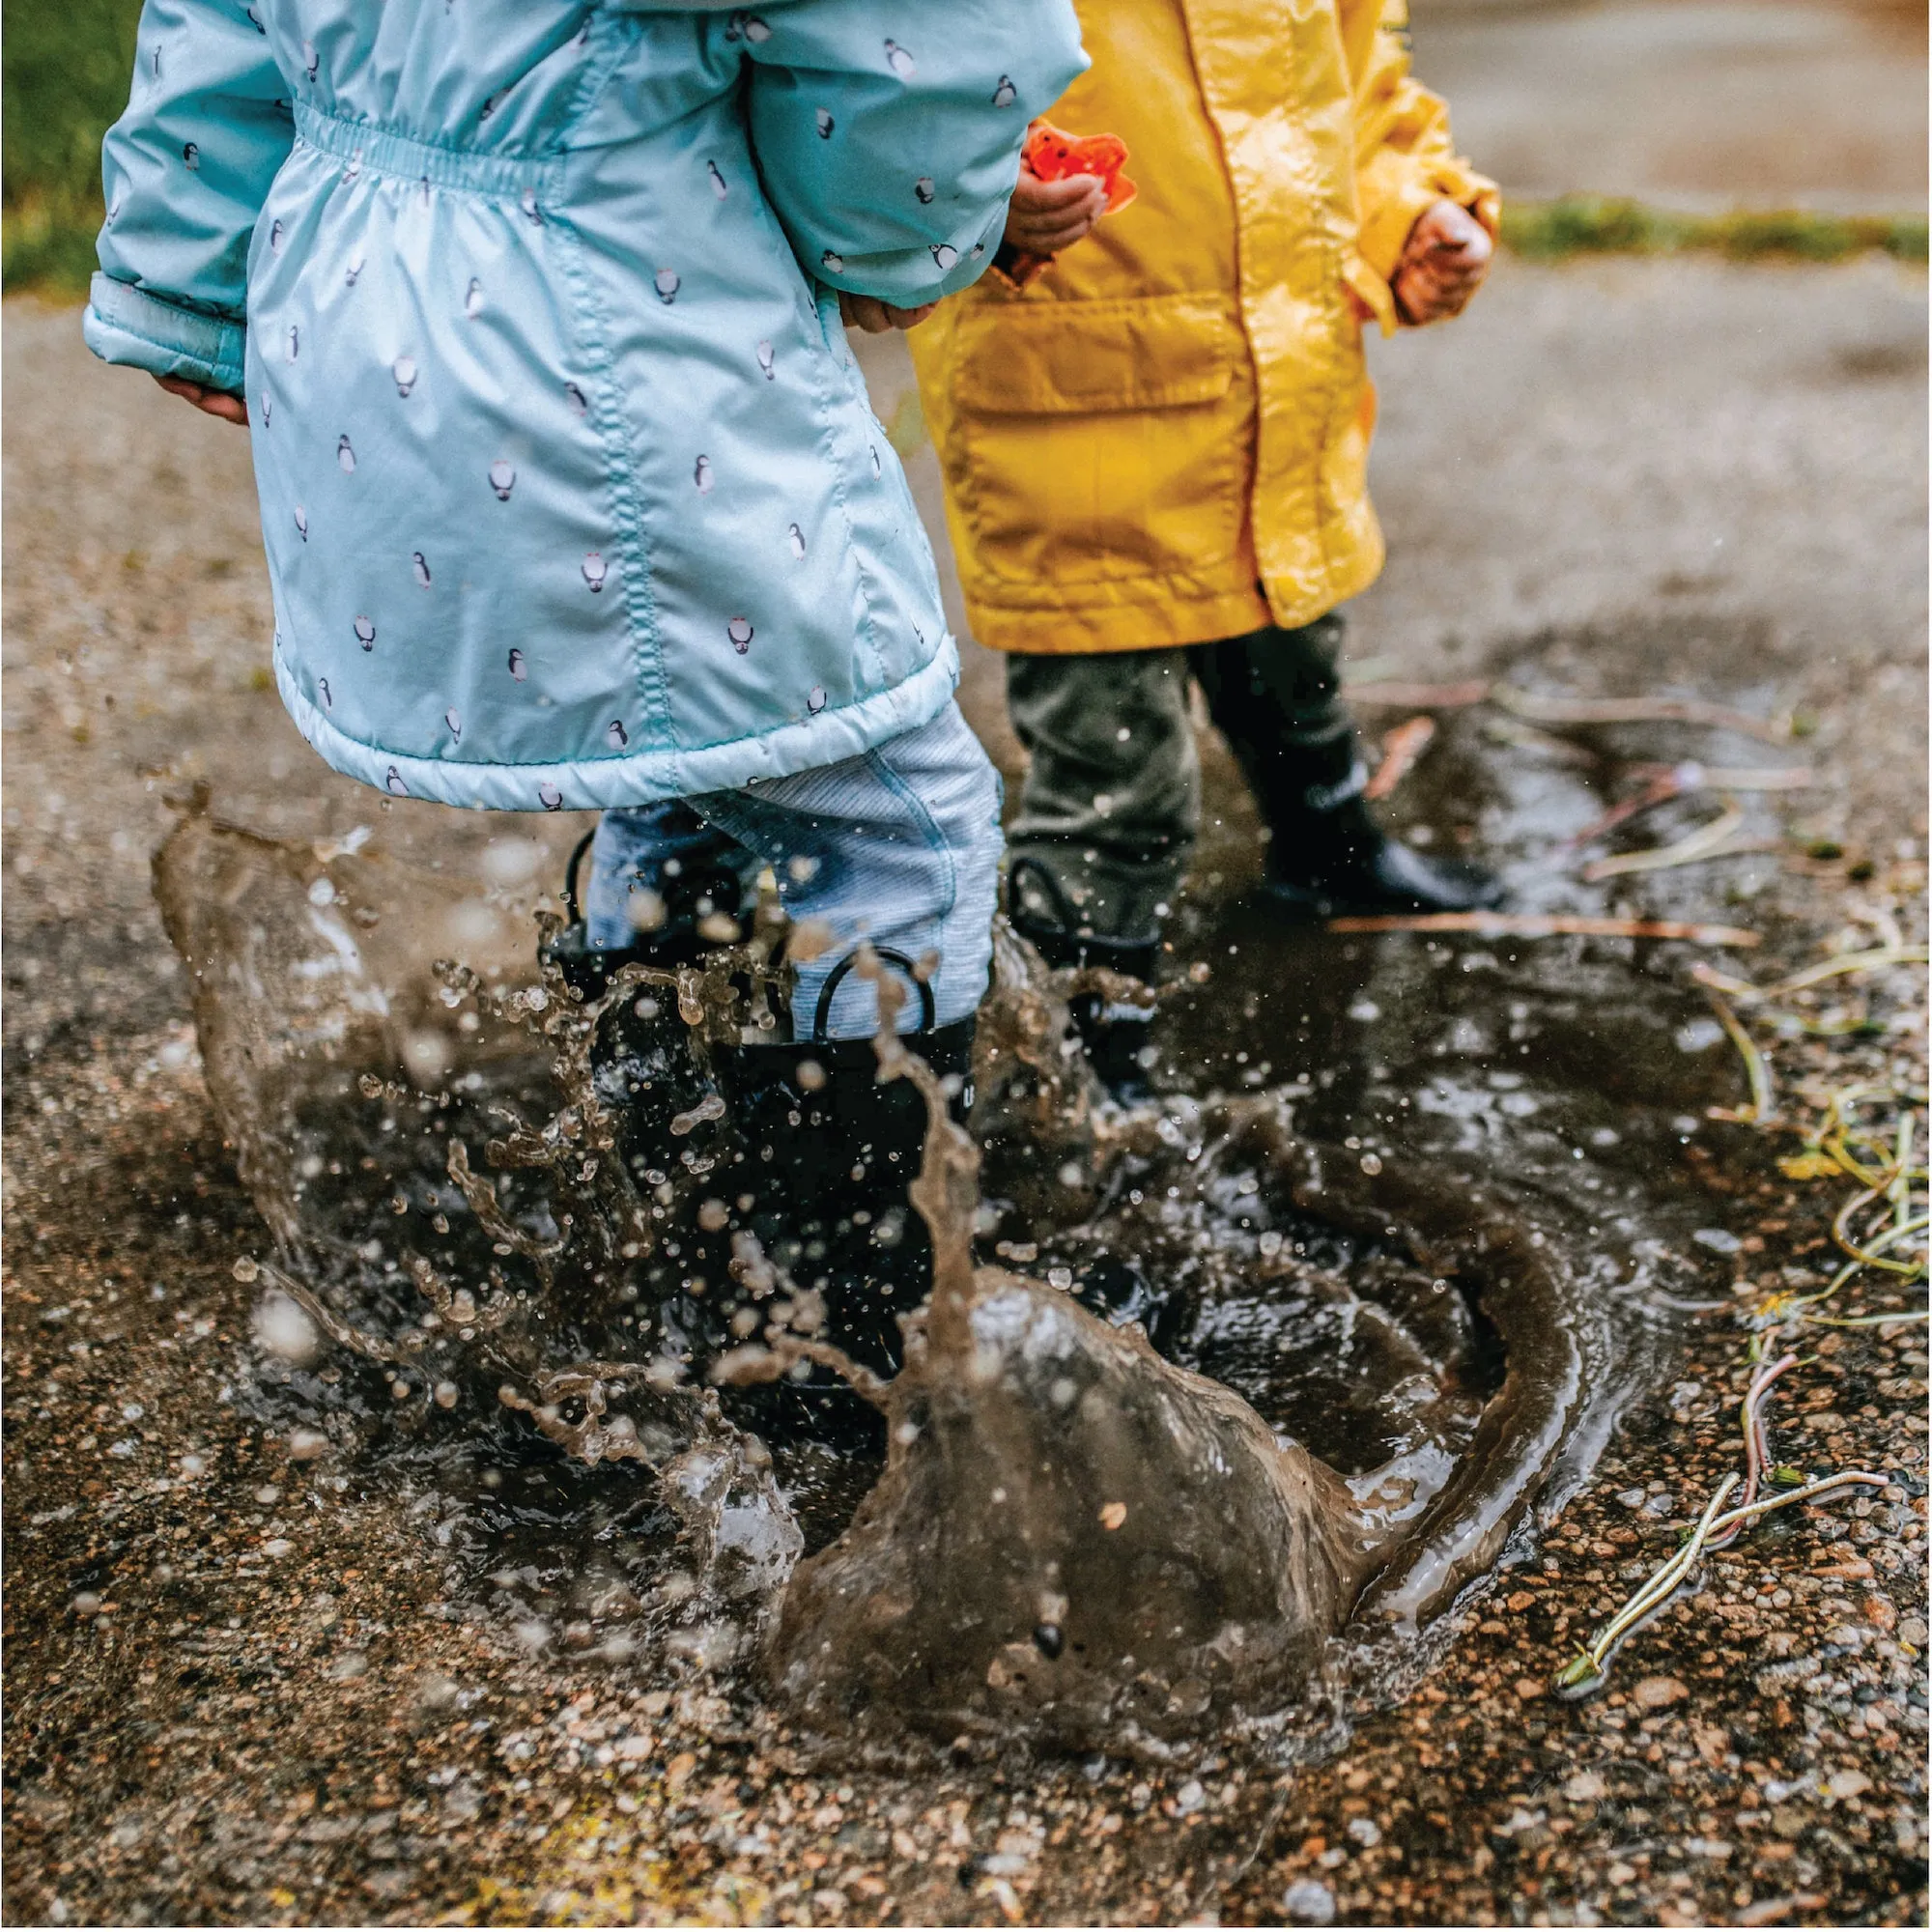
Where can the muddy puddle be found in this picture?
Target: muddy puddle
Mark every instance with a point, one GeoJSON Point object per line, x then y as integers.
{"type": "Point", "coordinates": [1216, 1405]}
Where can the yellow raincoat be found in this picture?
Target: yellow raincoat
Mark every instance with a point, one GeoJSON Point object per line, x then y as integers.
{"type": "Point", "coordinates": [1164, 440]}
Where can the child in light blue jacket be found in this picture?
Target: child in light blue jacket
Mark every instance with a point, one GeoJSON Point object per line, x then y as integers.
{"type": "Point", "coordinates": [569, 489]}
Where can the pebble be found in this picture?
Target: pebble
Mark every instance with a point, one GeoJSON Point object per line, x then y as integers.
{"type": "Point", "coordinates": [1309, 1902]}
{"type": "Point", "coordinates": [1658, 1694]}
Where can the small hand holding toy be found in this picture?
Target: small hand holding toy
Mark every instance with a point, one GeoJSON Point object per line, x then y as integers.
{"type": "Point", "coordinates": [1067, 182]}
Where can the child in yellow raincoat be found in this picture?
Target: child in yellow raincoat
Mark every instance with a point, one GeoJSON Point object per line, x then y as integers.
{"type": "Point", "coordinates": [1155, 457]}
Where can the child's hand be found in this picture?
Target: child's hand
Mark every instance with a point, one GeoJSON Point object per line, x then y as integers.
{"type": "Point", "coordinates": [210, 402]}
{"type": "Point", "coordinates": [1046, 217]}
{"type": "Point", "coordinates": [877, 318]}
{"type": "Point", "coordinates": [1443, 263]}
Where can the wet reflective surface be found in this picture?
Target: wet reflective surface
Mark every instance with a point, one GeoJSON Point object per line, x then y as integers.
{"type": "Point", "coordinates": [1409, 1198]}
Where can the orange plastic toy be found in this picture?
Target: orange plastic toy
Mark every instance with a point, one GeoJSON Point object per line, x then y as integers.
{"type": "Point", "coordinates": [1052, 154]}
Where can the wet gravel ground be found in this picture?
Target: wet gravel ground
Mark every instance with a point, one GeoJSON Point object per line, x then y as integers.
{"type": "Point", "coordinates": [238, 1686]}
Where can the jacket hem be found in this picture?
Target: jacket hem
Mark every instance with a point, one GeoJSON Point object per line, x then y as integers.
{"type": "Point", "coordinates": [642, 778]}
{"type": "Point", "coordinates": [127, 326]}
{"type": "Point", "coordinates": [1149, 618]}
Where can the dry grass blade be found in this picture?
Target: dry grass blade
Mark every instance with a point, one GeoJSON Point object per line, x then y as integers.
{"type": "Point", "coordinates": [1508, 730]}
{"type": "Point", "coordinates": [1757, 1068]}
{"type": "Point", "coordinates": [1546, 926]}
{"type": "Point", "coordinates": [1711, 840]}
{"type": "Point", "coordinates": [1846, 962]}
{"type": "Point", "coordinates": [1635, 711]}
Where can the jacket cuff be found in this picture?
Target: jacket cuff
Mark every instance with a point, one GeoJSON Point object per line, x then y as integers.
{"type": "Point", "coordinates": [1396, 189]}
{"type": "Point", "coordinates": [126, 325]}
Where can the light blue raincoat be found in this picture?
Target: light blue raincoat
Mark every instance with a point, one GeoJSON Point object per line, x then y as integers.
{"type": "Point", "coordinates": [569, 489]}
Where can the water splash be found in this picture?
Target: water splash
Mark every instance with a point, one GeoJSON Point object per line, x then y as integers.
{"type": "Point", "coordinates": [1105, 1513]}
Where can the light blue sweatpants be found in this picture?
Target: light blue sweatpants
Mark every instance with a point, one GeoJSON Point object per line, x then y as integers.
{"type": "Point", "coordinates": [900, 846]}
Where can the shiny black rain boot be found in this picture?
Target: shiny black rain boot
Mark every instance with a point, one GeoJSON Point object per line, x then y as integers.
{"type": "Point", "coordinates": [643, 1060]}
{"type": "Point", "coordinates": [1328, 856]}
{"type": "Point", "coordinates": [1118, 1037]}
{"type": "Point", "coordinates": [1295, 744]}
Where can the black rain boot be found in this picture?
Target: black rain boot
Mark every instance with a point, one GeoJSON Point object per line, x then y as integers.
{"type": "Point", "coordinates": [1116, 1036]}
{"type": "Point", "coordinates": [829, 1152]}
{"type": "Point", "coordinates": [1276, 697]}
{"type": "Point", "coordinates": [643, 1060]}
{"type": "Point", "coordinates": [1328, 856]}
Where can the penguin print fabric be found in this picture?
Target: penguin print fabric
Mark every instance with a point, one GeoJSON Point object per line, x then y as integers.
{"type": "Point", "coordinates": [571, 492]}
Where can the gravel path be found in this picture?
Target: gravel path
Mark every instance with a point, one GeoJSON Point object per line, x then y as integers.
{"type": "Point", "coordinates": [236, 1693]}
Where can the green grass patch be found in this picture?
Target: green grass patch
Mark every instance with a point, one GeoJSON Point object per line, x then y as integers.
{"type": "Point", "coordinates": [1585, 224]}
{"type": "Point", "coordinates": [64, 83]}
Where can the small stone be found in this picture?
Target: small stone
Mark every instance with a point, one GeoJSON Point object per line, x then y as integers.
{"type": "Point", "coordinates": [1309, 1902]}
{"type": "Point", "coordinates": [1583, 1787]}
{"type": "Point", "coordinates": [1847, 1783]}
{"type": "Point", "coordinates": [1658, 1694]}
{"type": "Point", "coordinates": [1528, 1689]}
{"type": "Point", "coordinates": [1365, 1832]}
{"type": "Point", "coordinates": [1112, 1517]}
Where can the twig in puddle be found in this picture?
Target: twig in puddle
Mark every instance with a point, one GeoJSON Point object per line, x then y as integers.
{"type": "Point", "coordinates": [1546, 926]}
{"type": "Point", "coordinates": [1663, 782]}
{"type": "Point", "coordinates": [1711, 840]}
{"type": "Point", "coordinates": [1401, 750]}
{"type": "Point", "coordinates": [1691, 775]}
{"type": "Point", "coordinates": [1508, 730]}
{"type": "Point", "coordinates": [1418, 696]}
{"type": "Point", "coordinates": [1660, 788]}
{"type": "Point", "coordinates": [1635, 711]}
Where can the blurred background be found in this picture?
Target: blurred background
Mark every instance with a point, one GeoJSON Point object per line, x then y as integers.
{"type": "Point", "coordinates": [1689, 109]}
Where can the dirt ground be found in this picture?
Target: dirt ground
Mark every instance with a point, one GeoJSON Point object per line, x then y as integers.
{"type": "Point", "coordinates": [234, 1692]}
